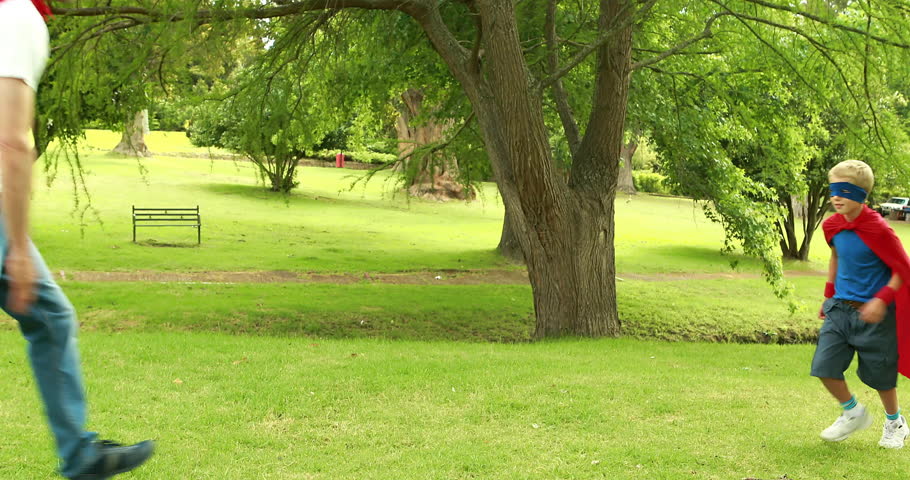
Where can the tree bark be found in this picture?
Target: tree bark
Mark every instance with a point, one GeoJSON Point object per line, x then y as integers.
{"type": "Point", "coordinates": [509, 245]}
{"type": "Point", "coordinates": [436, 172]}
{"type": "Point", "coordinates": [132, 143]}
{"type": "Point", "coordinates": [625, 183]}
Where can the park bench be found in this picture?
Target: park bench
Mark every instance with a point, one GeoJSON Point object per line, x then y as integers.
{"type": "Point", "coordinates": [168, 217]}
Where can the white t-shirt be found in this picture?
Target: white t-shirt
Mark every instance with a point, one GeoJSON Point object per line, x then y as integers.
{"type": "Point", "coordinates": [24, 42]}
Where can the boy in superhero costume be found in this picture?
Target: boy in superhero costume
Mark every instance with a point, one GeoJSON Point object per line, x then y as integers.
{"type": "Point", "coordinates": [865, 308]}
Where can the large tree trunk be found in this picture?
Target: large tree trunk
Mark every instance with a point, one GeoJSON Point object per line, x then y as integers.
{"type": "Point", "coordinates": [133, 141]}
{"type": "Point", "coordinates": [509, 245]}
{"type": "Point", "coordinates": [625, 182]}
{"type": "Point", "coordinates": [436, 173]}
{"type": "Point", "coordinates": [565, 230]}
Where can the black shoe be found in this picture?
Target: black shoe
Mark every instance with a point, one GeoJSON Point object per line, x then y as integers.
{"type": "Point", "coordinates": [115, 459]}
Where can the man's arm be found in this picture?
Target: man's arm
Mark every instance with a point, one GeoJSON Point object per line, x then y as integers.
{"type": "Point", "coordinates": [17, 111]}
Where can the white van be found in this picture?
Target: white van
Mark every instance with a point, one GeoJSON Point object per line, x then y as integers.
{"type": "Point", "coordinates": [894, 203]}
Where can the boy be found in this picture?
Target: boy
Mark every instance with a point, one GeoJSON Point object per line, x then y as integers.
{"type": "Point", "coordinates": [865, 276]}
{"type": "Point", "coordinates": [27, 290]}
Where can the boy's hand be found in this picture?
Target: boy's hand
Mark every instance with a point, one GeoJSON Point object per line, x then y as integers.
{"type": "Point", "coordinates": [821, 311]}
{"type": "Point", "coordinates": [873, 311]}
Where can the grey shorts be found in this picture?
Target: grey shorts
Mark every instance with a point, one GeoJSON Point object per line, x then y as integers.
{"type": "Point", "coordinates": [844, 334]}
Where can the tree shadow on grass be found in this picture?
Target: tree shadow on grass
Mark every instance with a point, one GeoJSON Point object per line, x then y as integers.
{"type": "Point", "coordinates": [669, 258]}
{"type": "Point", "coordinates": [257, 192]}
{"type": "Point", "coordinates": [151, 242]}
{"type": "Point", "coordinates": [301, 196]}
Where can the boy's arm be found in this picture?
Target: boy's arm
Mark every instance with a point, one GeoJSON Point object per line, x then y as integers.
{"type": "Point", "coordinates": [832, 275]}
{"type": "Point", "coordinates": [874, 310]}
{"type": "Point", "coordinates": [832, 266]}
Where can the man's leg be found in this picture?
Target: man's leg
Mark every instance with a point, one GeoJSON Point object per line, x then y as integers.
{"type": "Point", "coordinates": [50, 328]}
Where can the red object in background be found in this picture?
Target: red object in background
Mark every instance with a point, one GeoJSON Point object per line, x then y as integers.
{"type": "Point", "coordinates": [339, 160]}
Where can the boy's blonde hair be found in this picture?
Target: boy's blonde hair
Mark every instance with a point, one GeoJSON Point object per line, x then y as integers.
{"type": "Point", "coordinates": [854, 171]}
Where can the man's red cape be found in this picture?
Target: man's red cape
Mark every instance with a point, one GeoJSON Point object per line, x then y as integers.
{"type": "Point", "coordinates": [875, 232]}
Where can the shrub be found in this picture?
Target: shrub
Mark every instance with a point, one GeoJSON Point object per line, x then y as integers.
{"type": "Point", "coordinates": [649, 182]}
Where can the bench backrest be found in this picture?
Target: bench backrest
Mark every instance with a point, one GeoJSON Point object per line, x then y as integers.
{"type": "Point", "coordinates": [166, 214]}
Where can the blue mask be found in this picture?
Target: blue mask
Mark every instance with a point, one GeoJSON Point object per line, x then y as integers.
{"type": "Point", "coordinates": [849, 191]}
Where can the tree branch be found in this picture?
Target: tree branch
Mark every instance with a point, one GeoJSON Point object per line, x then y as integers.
{"type": "Point", "coordinates": [835, 25]}
{"type": "Point", "coordinates": [290, 8]}
{"type": "Point", "coordinates": [706, 33]}
{"type": "Point", "coordinates": [569, 124]}
{"type": "Point", "coordinates": [604, 38]}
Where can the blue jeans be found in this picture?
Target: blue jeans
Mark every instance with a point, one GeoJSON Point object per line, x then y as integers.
{"type": "Point", "coordinates": [50, 328]}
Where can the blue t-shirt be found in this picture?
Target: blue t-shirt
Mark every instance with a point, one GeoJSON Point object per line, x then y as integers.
{"type": "Point", "coordinates": [860, 273]}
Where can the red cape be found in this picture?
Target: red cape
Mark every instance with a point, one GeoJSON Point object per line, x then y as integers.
{"type": "Point", "coordinates": [875, 232]}
{"type": "Point", "coordinates": [42, 7]}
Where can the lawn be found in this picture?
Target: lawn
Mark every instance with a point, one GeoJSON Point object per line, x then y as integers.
{"type": "Point", "coordinates": [240, 407]}
{"type": "Point", "coordinates": [324, 226]}
{"type": "Point", "coordinates": [373, 380]}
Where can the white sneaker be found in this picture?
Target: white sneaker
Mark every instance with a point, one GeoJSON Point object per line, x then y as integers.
{"type": "Point", "coordinates": [894, 432]}
{"type": "Point", "coordinates": [846, 424]}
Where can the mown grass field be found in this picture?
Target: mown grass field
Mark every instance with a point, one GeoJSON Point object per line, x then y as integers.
{"type": "Point", "coordinates": [372, 380]}
{"type": "Point", "coordinates": [253, 407]}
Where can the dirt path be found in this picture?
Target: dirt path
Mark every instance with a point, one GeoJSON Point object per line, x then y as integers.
{"type": "Point", "coordinates": [443, 277]}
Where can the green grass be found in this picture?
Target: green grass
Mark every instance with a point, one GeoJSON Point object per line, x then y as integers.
{"type": "Point", "coordinates": [710, 310]}
{"type": "Point", "coordinates": [292, 408]}
{"type": "Point", "coordinates": [324, 226]}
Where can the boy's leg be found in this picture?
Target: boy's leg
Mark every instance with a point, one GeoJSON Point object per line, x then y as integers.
{"type": "Point", "coordinates": [837, 388]}
{"type": "Point", "coordinates": [876, 346]}
{"type": "Point", "coordinates": [833, 356]}
{"type": "Point", "coordinates": [889, 401]}
{"type": "Point", "coordinates": [895, 430]}
{"type": "Point", "coordinates": [50, 328]}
